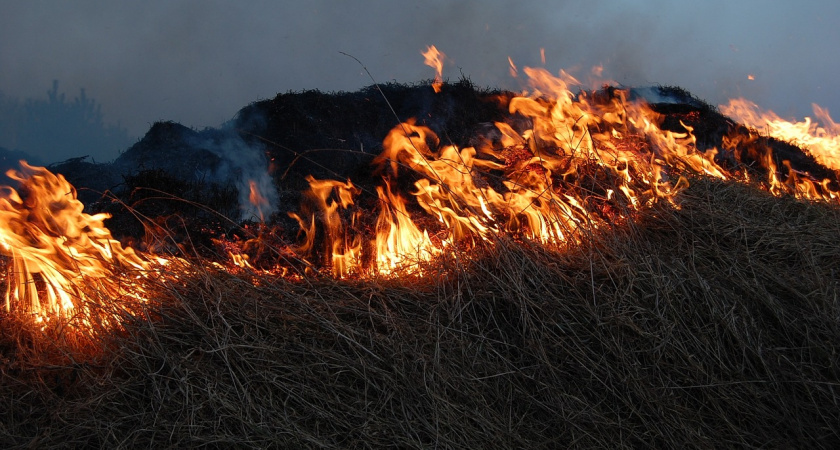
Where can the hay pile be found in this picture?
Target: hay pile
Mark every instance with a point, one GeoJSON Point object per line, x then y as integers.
{"type": "Point", "coordinates": [713, 325]}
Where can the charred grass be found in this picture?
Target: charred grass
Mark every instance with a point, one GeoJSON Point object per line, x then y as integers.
{"type": "Point", "coordinates": [714, 324]}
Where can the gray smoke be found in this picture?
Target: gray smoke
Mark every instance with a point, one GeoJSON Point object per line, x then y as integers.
{"type": "Point", "coordinates": [243, 165]}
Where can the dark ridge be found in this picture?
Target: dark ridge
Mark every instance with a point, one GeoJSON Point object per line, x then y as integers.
{"type": "Point", "coordinates": [333, 135]}
{"type": "Point", "coordinates": [168, 146]}
{"type": "Point", "coordinates": [738, 145]}
{"type": "Point", "coordinates": [158, 211]}
{"type": "Point", "coordinates": [336, 135]}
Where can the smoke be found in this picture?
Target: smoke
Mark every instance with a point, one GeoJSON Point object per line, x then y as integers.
{"type": "Point", "coordinates": [247, 167]}
{"type": "Point", "coordinates": [197, 62]}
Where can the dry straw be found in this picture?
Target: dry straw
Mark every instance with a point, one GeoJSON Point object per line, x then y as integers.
{"type": "Point", "coordinates": [715, 324]}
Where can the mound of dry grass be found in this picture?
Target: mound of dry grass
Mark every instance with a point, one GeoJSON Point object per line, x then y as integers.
{"type": "Point", "coordinates": [715, 324]}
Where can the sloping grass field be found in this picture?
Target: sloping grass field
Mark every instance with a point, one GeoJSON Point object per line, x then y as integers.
{"type": "Point", "coordinates": [713, 324]}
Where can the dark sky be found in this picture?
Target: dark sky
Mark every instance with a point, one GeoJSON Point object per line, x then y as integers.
{"type": "Point", "coordinates": [199, 61]}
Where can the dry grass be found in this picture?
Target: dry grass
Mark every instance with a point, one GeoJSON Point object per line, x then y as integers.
{"type": "Point", "coordinates": [713, 325]}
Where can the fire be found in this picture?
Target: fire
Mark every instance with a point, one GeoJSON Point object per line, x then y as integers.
{"type": "Point", "coordinates": [328, 198]}
{"type": "Point", "coordinates": [400, 244]}
{"type": "Point", "coordinates": [582, 161]}
{"type": "Point", "coordinates": [821, 139]}
{"type": "Point", "coordinates": [434, 59]}
{"type": "Point", "coordinates": [566, 164]}
{"type": "Point", "coordinates": [257, 199]}
{"type": "Point", "coordinates": [60, 257]}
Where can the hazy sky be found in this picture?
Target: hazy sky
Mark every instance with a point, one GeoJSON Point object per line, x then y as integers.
{"type": "Point", "coordinates": [198, 62]}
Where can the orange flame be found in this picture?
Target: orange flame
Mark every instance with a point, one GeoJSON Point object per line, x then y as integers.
{"type": "Point", "coordinates": [527, 182]}
{"type": "Point", "coordinates": [400, 244]}
{"type": "Point", "coordinates": [821, 139]}
{"type": "Point", "coordinates": [257, 199]}
{"type": "Point", "coordinates": [327, 199]}
{"type": "Point", "coordinates": [584, 160]}
{"type": "Point", "coordinates": [434, 59]}
{"type": "Point", "coordinates": [60, 256]}
{"type": "Point", "coordinates": [514, 72]}
{"type": "Point", "coordinates": [569, 164]}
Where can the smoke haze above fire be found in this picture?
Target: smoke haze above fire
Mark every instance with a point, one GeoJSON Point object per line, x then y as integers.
{"type": "Point", "coordinates": [198, 62]}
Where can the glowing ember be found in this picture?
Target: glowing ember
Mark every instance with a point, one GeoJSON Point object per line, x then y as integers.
{"type": "Point", "coordinates": [60, 256]}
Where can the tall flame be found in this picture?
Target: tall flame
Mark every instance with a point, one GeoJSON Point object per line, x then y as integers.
{"type": "Point", "coordinates": [327, 198]}
{"type": "Point", "coordinates": [581, 162]}
{"type": "Point", "coordinates": [400, 244]}
{"type": "Point", "coordinates": [257, 199]}
{"type": "Point", "coordinates": [434, 59]}
{"type": "Point", "coordinates": [59, 254]}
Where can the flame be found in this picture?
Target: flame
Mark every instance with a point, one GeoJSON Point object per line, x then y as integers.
{"type": "Point", "coordinates": [240, 260]}
{"type": "Point", "coordinates": [257, 199]}
{"type": "Point", "coordinates": [400, 244]}
{"type": "Point", "coordinates": [566, 164]}
{"type": "Point", "coordinates": [61, 257]}
{"type": "Point", "coordinates": [582, 161]}
{"type": "Point", "coordinates": [821, 139]}
{"type": "Point", "coordinates": [434, 59]}
{"type": "Point", "coordinates": [327, 199]}
{"type": "Point", "coordinates": [535, 198]}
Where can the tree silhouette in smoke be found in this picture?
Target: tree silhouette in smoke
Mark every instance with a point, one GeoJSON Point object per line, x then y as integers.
{"type": "Point", "coordinates": [55, 129]}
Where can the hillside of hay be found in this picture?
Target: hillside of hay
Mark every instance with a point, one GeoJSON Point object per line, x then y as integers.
{"type": "Point", "coordinates": [712, 322]}
{"type": "Point", "coordinates": [715, 325]}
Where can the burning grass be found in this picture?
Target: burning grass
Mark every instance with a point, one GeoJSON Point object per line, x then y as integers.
{"type": "Point", "coordinates": [587, 272]}
{"type": "Point", "coordinates": [711, 324]}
